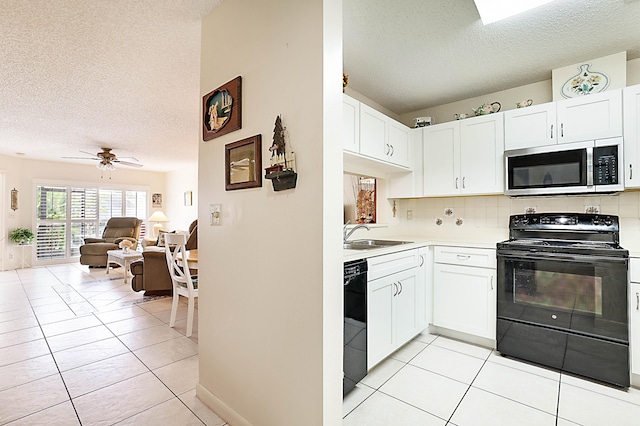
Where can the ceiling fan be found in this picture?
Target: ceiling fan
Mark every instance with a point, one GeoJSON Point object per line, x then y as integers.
{"type": "Point", "coordinates": [107, 159]}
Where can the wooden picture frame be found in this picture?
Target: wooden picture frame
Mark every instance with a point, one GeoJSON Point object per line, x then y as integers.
{"type": "Point", "coordinates": [243, 163]}
{"type": "Point", "coordinates": [222, 110]}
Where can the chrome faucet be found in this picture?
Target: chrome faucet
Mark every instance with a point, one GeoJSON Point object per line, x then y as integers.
{"type": "Point", "coordinates": [346, 235]}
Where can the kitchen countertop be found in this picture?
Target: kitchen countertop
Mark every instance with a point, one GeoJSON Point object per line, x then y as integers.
{"type": "Point", "coordinates": [417, 242]}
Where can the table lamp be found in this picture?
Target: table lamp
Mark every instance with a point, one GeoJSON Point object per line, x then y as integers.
{"type": "Point", "coordinates": [157, 217]}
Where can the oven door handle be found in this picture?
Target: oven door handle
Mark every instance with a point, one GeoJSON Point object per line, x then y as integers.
{"type": "Point", "coordinates": [528, 255]}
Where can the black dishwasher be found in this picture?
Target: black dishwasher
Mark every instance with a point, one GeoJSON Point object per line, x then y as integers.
{"type": "Point", "coordinates": [355, 324]}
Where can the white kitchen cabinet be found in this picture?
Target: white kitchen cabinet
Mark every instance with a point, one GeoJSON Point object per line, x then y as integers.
{"type": "Point", "coordinates": [382, 137]}
{"type": "Point", "coordinates": [481, 155]}
{"type": "Point", "coordinates": [409, 185]}
{"type": "Point", "coordinates": [589, 117]}
{"type": "Point", "coordinates": [393, 303]}
{"type": "Point", "coordinates": [579, 119]}
{"type": "Point", "coordinates": [634, 317]}
{"type": "Point", "coordinates": [424, 289]}
{"type": "Point", "coordinates": [631, 98]}
{"type": "Point", "coordinates": [350, 124]}
{"type": "Point", "coordinates": [441, 159]}
{"type": "Point", "coordinates": [373, 133]}
{"type": "Point", "coordinates": [530, 127]}
{"type": "Point", "coordinates": [464, 157]}
{"type": "Point", "coordinates": [634, 326]}
{"type": "Point", "coordinates": [464, 294]}
{"type": "Point", "coordinates": [399, 139]}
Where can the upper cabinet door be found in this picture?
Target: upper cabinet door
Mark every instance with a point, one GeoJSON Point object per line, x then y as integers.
{"type": "Point", "coordinates": [442, 159]}
{"type": "Point", "coordinates": [632, 136]}
{"type": "Point", "coordinates": [398, 143]}
{"type": "Point", "coordinates": [530, 127]}
{"type": "Point", "coordinates": [350, 124]}
{"type": "Point", "coordinates": [481, 155]}
{"type": "Point", "coordinates": [373, 133]}
{"type": "Point", "coordinates": [589, 117]}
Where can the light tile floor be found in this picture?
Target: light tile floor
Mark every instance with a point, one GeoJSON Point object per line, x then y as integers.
{"type": "Point", "coordinates": [77, 346]}
{"type": "Point", "coordinates": [434, 380]}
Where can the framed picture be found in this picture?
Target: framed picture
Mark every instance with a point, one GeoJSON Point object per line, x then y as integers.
{"type": "Point", "coordinates": [243, 163]}
{"type": "Point", "coordinates": [222, 110]}
{"type": "Point", "coordinates": [156, 200]}
{"type": "Point", "coordinates": [590, 77]}
{"type": "Point", "coordinates": [188, 198]}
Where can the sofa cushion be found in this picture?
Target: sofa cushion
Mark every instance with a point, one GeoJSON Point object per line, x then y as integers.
{"type": "Point", "coordinates": [161, 238]}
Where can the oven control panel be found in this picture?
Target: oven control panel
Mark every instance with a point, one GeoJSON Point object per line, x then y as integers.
{"type": "Point", "coordinates": [574, 221]}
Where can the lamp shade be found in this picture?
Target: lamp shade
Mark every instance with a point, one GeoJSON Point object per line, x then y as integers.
{"type": "Point", "coordinates": [158, 217]}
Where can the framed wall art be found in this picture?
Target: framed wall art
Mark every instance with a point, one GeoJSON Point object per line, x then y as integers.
{"type": "Point", "coordinates": [243, 163]}
{"type": "Point", "coordinates": [188, 198]}
{"type": "Point", "coordinates": [590, 77]}
{"type": "Point", "coordinates": [222, 110]}
{"type": "Point", "coordinates": [156, 200]}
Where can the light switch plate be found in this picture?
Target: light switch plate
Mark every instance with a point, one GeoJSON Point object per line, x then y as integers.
{"type": "Point", "coordinates": [215, 212]}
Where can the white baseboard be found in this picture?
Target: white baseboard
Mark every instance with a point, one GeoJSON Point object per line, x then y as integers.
{"type": "Point", "coordinates": [219, 407]}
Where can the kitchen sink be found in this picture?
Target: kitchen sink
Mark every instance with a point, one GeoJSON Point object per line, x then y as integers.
{"type": "Point", "coordinates": [371, 244]}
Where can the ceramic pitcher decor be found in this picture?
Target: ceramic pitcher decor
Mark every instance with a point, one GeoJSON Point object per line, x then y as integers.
{"type": "Point", "coordinates": [487, 108]}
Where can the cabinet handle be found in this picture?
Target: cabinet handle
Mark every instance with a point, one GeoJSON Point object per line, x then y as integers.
{"type": "Point", "coordinates": [463, 257]}
{"type": "Point", "coordinates": [552, 131]}
{"type": "Point", "coordinates": [421, 260]}
{"type": "Point", "coordinates": [630, 171]}
{"type": "Point", "coordinates": [562, 130]}
{"type": "Point", "coordinates": [637, 301]}
{"type": "Point", "coordinates": [395, 289]}
{"type": "Point", "coordinates": [463, 178]}
{"type": "Point", "coordinates": [457, 183]}
{"type": "Point", "coordinates": [392, 151]}
{"type": "Point", "coordinates": [400, 284]}
{"type": "Point", "coordinates": [491, 283]}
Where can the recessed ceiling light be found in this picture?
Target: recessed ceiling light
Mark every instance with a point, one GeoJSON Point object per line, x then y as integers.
{"type": "Point", "coordinates": [495, 10]}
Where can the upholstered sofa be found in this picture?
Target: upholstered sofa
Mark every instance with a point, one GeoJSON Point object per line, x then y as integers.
{"type": "Point", "coordinates": [151, 273]}
{"type": "Point", "coordinates": [94, 250]}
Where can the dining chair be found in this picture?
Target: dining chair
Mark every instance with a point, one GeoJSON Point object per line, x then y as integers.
{"type": "Point", "coordinates": [184, 284]}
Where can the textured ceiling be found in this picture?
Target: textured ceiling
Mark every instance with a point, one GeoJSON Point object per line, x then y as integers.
{"type": "Point", "coordinates": [78, 75]}
{"type": "Point", "coordinates": [412, 54]}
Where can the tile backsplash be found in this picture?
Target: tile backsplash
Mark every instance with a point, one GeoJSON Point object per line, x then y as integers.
{"type": "Point", "coordinates": [489, 215]}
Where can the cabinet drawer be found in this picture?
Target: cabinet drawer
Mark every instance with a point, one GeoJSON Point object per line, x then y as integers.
{"type": "Point", "coordinates": [465, 256]}
{"type": "Point", "coordinates": [634, 269]}
{"type": "Point", "coordinates": [381, 266]}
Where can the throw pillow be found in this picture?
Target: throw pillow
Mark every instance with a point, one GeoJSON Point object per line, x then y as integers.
{"type": "Point", "coordinates": [161, 238]}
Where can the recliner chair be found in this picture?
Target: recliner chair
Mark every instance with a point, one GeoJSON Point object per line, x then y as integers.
{"type": "Point", "coordinates": [94, 250]}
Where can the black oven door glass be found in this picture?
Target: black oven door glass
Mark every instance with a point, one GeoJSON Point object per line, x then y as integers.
{"type": "Point", "coordinates": [548, 170]}
{"type": "Point", "coordinates": [579, 294]}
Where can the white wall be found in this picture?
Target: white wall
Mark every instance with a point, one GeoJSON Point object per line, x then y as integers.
{"type": "Point", "coordinates": [539, 93]}
{"type": "Point", "coordinates": [20, 173]}
{"type": "Point", "coordinates": [176, 184]}
{"type": "Point", "coordinates": [270, 308]}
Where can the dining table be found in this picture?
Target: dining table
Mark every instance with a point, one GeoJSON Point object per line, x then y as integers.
{"type": "Point", "coordinates": [192, 258]}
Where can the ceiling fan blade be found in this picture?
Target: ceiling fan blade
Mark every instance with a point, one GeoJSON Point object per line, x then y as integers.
{"type": "Point", "coordinates": [82, 158]}
{"type": "Point", "coordinates": [89, 153]}
{"type": "Point", "coordinates": [127, 163]}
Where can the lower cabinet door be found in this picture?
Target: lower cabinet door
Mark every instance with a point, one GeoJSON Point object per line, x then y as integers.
{"type": "Point", "coordinates": [464, 299]}
{"type": "Point", "coordinates": [634, 326]}
{"type": "Point", "coordinates": [392, 318]}
{"type": "Point", "coordinates": [406, 320]}
{"type": "Point", "coordinates": [380, 301]}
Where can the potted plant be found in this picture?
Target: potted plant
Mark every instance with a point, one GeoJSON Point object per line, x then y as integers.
{"type": "Point", "coordinates": [21, 236]}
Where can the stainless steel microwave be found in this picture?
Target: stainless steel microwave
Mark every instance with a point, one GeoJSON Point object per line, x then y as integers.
{"type": "Point", "coordinates": [575, 168]}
